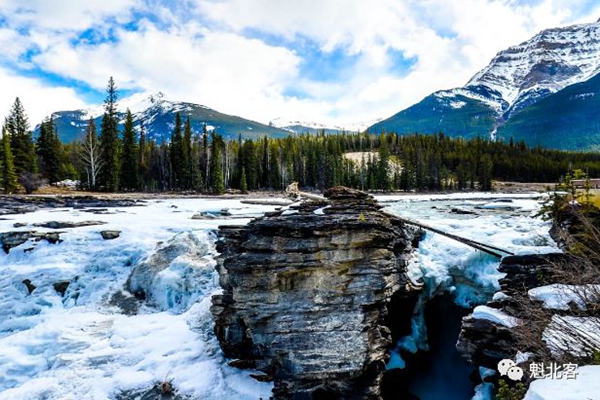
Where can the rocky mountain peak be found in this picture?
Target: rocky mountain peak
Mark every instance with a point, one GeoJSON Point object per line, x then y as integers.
{"type": "Point", "coordinates": [546, 63]}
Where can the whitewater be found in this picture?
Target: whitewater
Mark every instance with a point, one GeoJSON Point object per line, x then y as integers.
{"type": "Point", "coordinates": [81, 345]}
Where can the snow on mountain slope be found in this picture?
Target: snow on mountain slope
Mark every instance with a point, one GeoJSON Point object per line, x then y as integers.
{"type": "Point", "coordinates": [548, 62]}
{"type": "Point", "coordinates": [157, 113]}
{"type": "Point", "coordinates": [297, 126]}
{"type": "Point", "coordinates": [522, 86]}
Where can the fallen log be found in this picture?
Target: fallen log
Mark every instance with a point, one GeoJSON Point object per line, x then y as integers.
{"type": "Point", "coordinates": [293, 191]}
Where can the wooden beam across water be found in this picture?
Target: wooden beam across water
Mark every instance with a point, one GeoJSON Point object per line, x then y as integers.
{"type": "Point", "coordinates": [293, 191]}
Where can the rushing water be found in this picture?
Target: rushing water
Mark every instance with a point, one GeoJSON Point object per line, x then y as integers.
{"type": "Point", "coordinates": [81, 346]}
{"type": "Point", "coordinates": [457, 278]}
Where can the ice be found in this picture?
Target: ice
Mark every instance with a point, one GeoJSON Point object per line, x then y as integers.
{"type": "Point", "coordinates": [494, 315]}
{"type": "Point", "coordinates": [80, 346]}
{"type": "Point", "coordinates": [585, 386]}
{"type": "Point", "coordinates": [484, 391]}
{"type": "Point", "coordinates": [559, 296]}
{"type": "Point", "coordinates": [447, 265]}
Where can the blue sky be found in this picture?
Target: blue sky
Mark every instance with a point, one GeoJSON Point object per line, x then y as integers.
{"type": "Point", "coordinates": [330, 61]}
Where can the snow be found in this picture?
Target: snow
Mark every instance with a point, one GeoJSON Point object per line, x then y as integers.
{"type": "Point", "coordinates": [447, 265]}
{"type": "Point", "coordinates": [585, 387]}
{"type": "Point", "coordinates": [321, 211]}
{"type": "Point", "coordinates": [290, 123]}
{"type": "Point", "coordinates": [574, 335]}
{"type": "Point", "coordinates": [499, 296]}
{"type": "Point", "coordinates": [494, 315]}
{"type": "Point", "coordinates": [559, 296]}
{"type": "Point", "coordinates": [575, 48]}
{"type": "Point", "coordinates": [81, 346]}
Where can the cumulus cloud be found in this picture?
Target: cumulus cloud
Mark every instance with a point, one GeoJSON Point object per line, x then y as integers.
{"type": "Point", "coordinates": [38, 99]}
{"type": "Point", "coordinates": [250, 58]}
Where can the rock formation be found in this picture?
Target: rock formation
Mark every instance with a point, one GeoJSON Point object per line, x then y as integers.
{"type": "Point", "coordinates": [110, 234]}
{"type": "Point", "coordinates": [17, 238]}
{"type": "Point", "coordinates": [305, 295]}
{"type": "Point", "coordinates": [483, 342]}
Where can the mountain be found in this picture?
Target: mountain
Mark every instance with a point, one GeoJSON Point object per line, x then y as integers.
{"type": "Point", "coordinates": [316, 127]}
{"type": "Point", "coordinates": [157, 113]}
{"type": "Point", "coordinates": [544, 91]}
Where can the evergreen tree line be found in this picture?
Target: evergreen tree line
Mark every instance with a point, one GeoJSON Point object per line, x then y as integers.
{"type": "Point", "coordinates": [111, 160]}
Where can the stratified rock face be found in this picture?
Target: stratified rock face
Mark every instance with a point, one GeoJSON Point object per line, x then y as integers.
{"type": "Point", "coordinates": [305, 293]}
{"type": "Point", "coordinates": [483, 342]}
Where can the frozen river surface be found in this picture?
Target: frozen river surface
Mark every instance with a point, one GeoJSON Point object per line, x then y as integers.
{"type": "Point", "coordinates": [80, 346]}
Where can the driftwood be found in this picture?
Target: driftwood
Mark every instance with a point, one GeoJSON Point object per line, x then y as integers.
{"type": "Point", "coordinates": [293, 191]}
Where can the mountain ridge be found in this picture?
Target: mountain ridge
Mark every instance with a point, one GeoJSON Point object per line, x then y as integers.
{"type": "Point", "coordinates": [157, 113]}
{"type": "Point", "coordinates": [515, 80]}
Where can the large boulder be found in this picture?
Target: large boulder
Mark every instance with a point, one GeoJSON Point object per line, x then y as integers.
{"type": "Point", "coordinates": [305, 293]}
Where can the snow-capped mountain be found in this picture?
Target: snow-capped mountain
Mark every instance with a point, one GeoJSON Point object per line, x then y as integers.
{"type": "Point", "coordinates": [525, 79]}
{"type": "Point", "coordinates": [297, 126]}
{"type": "Point", "coordinates": [157, 113]}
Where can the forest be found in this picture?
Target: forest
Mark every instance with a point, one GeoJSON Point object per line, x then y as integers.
{"type": "Point", "coordinates": [111, 159]}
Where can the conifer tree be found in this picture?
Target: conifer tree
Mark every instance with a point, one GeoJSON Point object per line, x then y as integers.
{"type": "Point", "coordinates": [49, 151]}
{"type": "Point", "coordinates": [21, 139]}
{"type": "Point", "coordinates": [129, 170]}
{"type": "Point", "coordinates": [382, 176]}
{"type": "Point", "coordinates": [485, 175]}
{"type": "Point", "coordinates": [143, 159]}
{"type": "Point", "coordinates": [205, 160]}
{"type": "Point", "coordinates": [197, 182]}
{"type": "Point", "coordinates": [244, 182]}
{"type": "Point", "coordinates": [176, 155]}
{"type": "Point", "coordinates": [217, 182]}
{"type": "Point", "coordinates": [186, 155]}
{"type": "Point", "coordinates": [109, 140]}
{"type": "Point", "coordinates": [9, 177]}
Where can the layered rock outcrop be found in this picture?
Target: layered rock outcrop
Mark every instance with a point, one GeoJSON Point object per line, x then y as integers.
{"type": "Point", "coordinates": [305, 294]}
{"type": "Point", "coordinates": [485, 342]}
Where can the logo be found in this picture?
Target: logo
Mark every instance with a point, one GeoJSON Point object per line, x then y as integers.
{"type": "Point", "coordinates": [509, 368]}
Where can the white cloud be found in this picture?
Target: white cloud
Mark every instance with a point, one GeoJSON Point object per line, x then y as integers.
{"type": "Point", "coordinates": [38, 99]}
{"type": "Point", "coordinates": [65, 15]}
{"type": "Point", "coordinates": [204, 57]}
{"type": "Point", "coordinates": [223, 70]}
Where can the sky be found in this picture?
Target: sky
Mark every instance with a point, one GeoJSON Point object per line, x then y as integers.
{"type": "Point", "coordinates": [337, 62]}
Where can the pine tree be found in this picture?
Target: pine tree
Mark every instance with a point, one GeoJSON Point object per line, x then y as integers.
{"type": "Point", "coordinates": [485, 175]}
{"type": "Point", "coordinates": [49, 151]}
{"type": "Point", "coordinates": [176, 155]}
{"type": "Point", "coordinates": [9, 176]}
{"type": "Point", "coordinates": [383, 165]}
{"type": "Point", "coordinates": [217, 182]}
{"type": "Point", "coordinates": [130, 169]}
{"type": "Point", "coordinates": [197, 182]}
{"type": "Point", "coordinates": [186, 155]}
{"type": "Point", "coordinates": [109, 140]}
{"type": "Point", "coordinates": [205, 159]}
{"type": "Point", "coordinates": [244, 182]}
{"type": "Point", "coordinates": [21, 139]}
{"type": "Point", "coordinates": [143, 159]}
